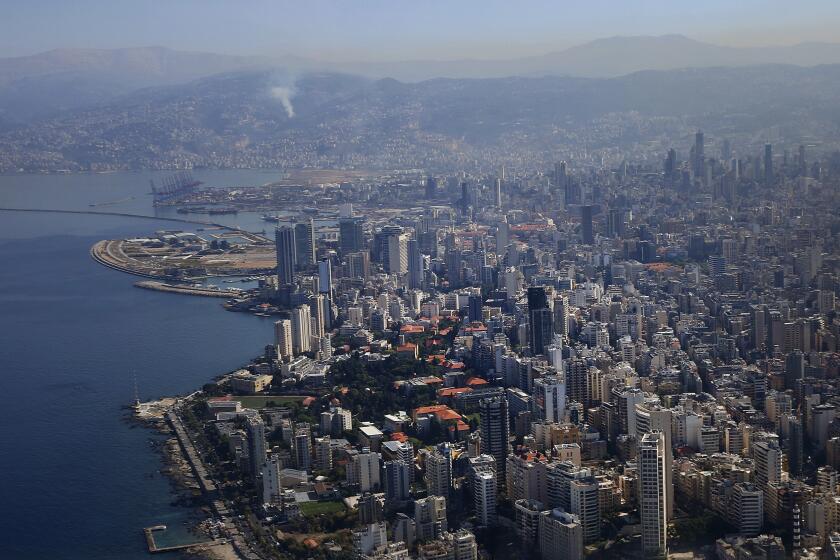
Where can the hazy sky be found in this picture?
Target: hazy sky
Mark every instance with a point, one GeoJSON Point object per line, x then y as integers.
{"type": "Point", "coordinates": [401, 29]}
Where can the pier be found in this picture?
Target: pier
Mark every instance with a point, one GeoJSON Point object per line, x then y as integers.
{"type": "Point", "coordinates": [186, 290]}
{"type": "Point", "coordinates": [149, 532]}
{"type": "Point", "coordinates": [247, 234]}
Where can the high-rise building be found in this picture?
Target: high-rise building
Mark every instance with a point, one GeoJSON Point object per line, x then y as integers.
{"type": "Point", "coordinates": [395, 258]}
{"type": "Point", "coordinates": [484, 487]}
{"type": "Point", "coordinates": [550, 392]}
{"type": "Point", "coordinates": [351, 235]}
{"type": "Point", "coordinates": [560, 535]}
{"type": "Point", "coordinates": [302, 447]}
{"type": "Point", "coordinates": [652, 496]}
{"type": "Point", "coordinates": [284, 240]}
{"type": "Point", "coordinates": [370, 538]}
{"type": "Point", "coordinates": [363, 470]}
{"type": "Point", "coordinates": [540, 320]}
{"type": "Point", "coordinates": [283, 339]}
{"type": "Point", "coordinates": [474, 306]}
{"type": "Point", "coordinates": [397, 483]}
{"type": "Point", "coordinates": [803, 165]}
{"type": "Point", "coordinates": [325, 277]}
{"type": "Point", "coordinates": [439, 472]}
{"type": "Point", "coordinates": [256, 443]}
{"type": "Point", "coordinates": [323, 453]}
{"type": "Point", "coordinates": [526, 514]}
{"type": "Point", "coordinates": [495, 431]}
{"type": "Point", "coordinates": [301, 329]}
{"type": "Point", "coordinates": [795, 443]}
{"type": "Point", "coordinates": [318, 324]}
{"type": "Point", "coordinates": [746, 509]}
{"type": "Point", "coordinates": [650, 418]}
{"type": "Point", "coordinates": [371, 508]}
{"type": "Point", "coordinates": [586, 232]}
{"type": "Point", "coordinates": [497, 192]}
{"type": "Point", "coordinates": [768, 463]}
{"type": "Point", "coordinates": [577, 381]}
{"type": "Point", "coordinates": [768, 164]}
{"type": "Point", "coordinates": [561, 179]}
{"type": "Point", "coordinates": [583, 493]}
{"type": "Point", "coordinates": [463, 544]}
{"type": "Point", "coordinates": [359, 264]}
{"type": "Point", "coordinates": [430, 517]}
{"type": "Point", "coordinates": [305, 244]}
{"type": "Point", "coordinates": [415, 265]}
{"type": "Point", "coordinates": [431, 187]}
{"type": "Point", "coordinates": [271, 489]}
{"type": "Point", "coordinates": [699, 163]}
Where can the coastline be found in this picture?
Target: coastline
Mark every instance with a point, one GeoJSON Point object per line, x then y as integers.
{"type": "Point", "coordinates": [186, 490]}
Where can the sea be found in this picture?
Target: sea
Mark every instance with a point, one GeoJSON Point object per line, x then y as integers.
{"type": "Point", "coordinates": [78, 480]}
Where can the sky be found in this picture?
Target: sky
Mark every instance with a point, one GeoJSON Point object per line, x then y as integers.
{"type": "Point", "coordinates": [401, 29]}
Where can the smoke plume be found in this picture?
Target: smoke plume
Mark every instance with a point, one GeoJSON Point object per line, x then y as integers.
{"type": "Point", "coordinates": [284, 95]}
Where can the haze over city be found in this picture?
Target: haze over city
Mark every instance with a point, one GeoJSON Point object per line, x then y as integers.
{"type": "Point", "coordinates": [382, 30]}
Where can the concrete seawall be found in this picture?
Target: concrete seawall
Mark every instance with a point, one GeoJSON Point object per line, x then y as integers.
{"type": "Point", "coordinates": [185, 290]}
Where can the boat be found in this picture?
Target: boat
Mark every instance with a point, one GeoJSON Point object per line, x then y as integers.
{"type": "Point", "coordinates": [268, 218]}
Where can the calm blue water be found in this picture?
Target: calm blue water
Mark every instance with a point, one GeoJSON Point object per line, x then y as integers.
{"type": "Point", "coordinates": [75, 477]}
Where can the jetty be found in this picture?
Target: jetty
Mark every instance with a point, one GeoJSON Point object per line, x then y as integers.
{"type": "Point", "coordinates": [186, 290]}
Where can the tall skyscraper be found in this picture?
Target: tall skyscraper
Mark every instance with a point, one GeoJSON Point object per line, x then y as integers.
{"type": "Point", "coordinates": [652, 494]}
{"type": "Point", "coordinates": [301, 329]}
{"type": "Point", "coordinates": [283, 338]}
{"type": "Point", "coordinates": [699, 163]}
{"type": "Point", "coordinates": [495, 431]}
{"type": "Point", "coordinates": [415, 265]}
{"type": "Point", "coordinates": [397, 257]}
{"type": "Point", "coordinates": [316, 312]}
{"type": "Point", "coordinates": [652, 417]}
{"type": "Point", "coordinates": [497, 192]}
{"type": "Point", "coordinates": [305, 244]}
{"type": "Point", "coordinates": [256, 443]}
{"type": "Point", "coordinates": [351, 235]}
{"type": "Point", "coordinates": [540, 317]}
{"type": "Point", "coordinates": [587, 235]}
{"type": "Point", "coordinates": [768, 164]}
{"type": "Point", "coordinates": [284, 240]}
{"type": "Point", "coordinates": [560, 177]}
{"type": "Point", "coordinates": [803, 164]}
{"type": "Point", "coordinates": [670, 168]}
{"type": "Point", "coordinates": [465, 198]}
{"type": "Point", "coordinates": [325, 277]}
{"type": "Point", "coordinates": [431, 187]}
